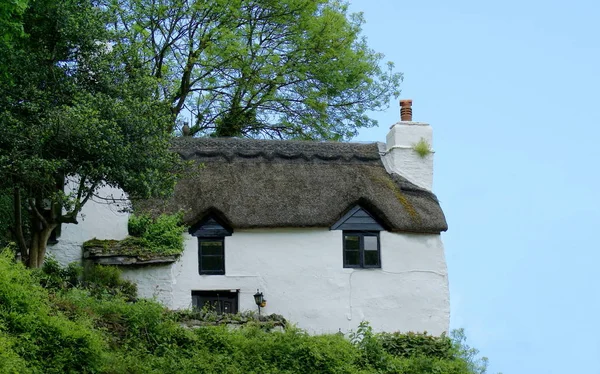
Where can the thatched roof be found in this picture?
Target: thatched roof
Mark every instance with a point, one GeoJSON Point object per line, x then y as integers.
{"type": "Point", "coordinates": [275, 183]}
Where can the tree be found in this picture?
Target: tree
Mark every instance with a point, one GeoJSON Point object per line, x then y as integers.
{"type": "Point", "coordinates": [260, 68]}
{"type": "Point", "coordinates": [11, 24]}
{"type": "Point", "coordinates": [72, 112]}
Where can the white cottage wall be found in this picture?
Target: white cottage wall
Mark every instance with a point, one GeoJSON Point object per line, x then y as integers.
{"type": "Point", "coordinates": [301, 274]}
{"type": "Point", "coordinates": [99, 218]}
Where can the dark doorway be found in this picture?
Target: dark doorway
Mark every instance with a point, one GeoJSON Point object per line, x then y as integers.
{"type": "Point", "coordinates": [217, 301]}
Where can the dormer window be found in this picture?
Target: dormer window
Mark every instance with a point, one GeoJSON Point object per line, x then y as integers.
{"type": "Point", "coordinates": [360, 239]}
{"type": "Point", "coordinates": [211, 233]}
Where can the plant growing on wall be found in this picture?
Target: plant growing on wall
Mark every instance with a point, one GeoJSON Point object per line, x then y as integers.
{"type": "Point", "coordinates": [423, 148]}
{"type": "Point", "coordinates": [149, 236]}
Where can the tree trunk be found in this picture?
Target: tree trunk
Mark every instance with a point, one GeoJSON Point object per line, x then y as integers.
{"type": "Point", "coordinates": [37, 248]}
{"type": "Point", "coordinates": [37, 252]}
{"type": "Point", "coordinates": [33, 250]}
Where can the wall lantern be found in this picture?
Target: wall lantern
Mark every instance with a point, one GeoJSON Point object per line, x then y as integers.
{"type": "Point", "coordinates": [259, 300]}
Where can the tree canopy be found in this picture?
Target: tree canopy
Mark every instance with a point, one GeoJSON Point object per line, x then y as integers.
{"type": "Point", "coordinates": [70, 112]}
{"type": "Point", "coordinates": [92, 91]}
{"type": "Point", "coordinates": [258, 68]}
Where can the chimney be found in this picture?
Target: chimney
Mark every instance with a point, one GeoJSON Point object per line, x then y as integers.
{"type": "Point", "coordinates": [408, 149]}
{"type": "Point", "coordinates": [406, 110]}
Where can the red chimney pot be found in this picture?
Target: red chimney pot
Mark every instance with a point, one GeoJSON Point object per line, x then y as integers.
{"type": "Point", "coordinates": [406, 110]}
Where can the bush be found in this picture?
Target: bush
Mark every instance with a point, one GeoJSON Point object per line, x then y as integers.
{"type": "Point", "coordinates": [103, 280]}
{"type": "Point", "coordinates": [156, 235]}
{"type": "Point", "coordinates": [48, 342]}
{"type": "Point", "coordinates": [54, 277]}
{"type": "Point", "coordinates": [72, 329]}
{"type": "Point", "coordinates": [416, 344]}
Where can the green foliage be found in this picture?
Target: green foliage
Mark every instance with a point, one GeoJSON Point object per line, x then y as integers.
{"type": "Point", "coordinates": [137, 225]}
{"type": "Point", "coordinates": [71, 330]}
{"type": "Point", "coordinates": [46, 341]}
{"type": "Point", "coordinates": [106, 280]}
{"type": "Point", "coordinates": [416, 344]}
{"type": "Point", "coordinates": [149, 236]}
{"type": "Point", "coordinates": [73, 113]}
{"type": "Point", "coordinates": [100, 281]}
{"type": "Point", "coordinates": [6, 216]}
{"type": "Point", "coordinates": [423, 148]}
{"type": "Point", "coordinates": [161, 234]}
{"type": "Point", "coordinates": [54, 277]}
{"type": "Point", "coordinates": [475, 364]}
{"type": "Point", "coordinates": [271, 68]}
{"type": "Point", "coordinates": [10, 361]}
{"type": "Point", "coordinates": [11, 22]}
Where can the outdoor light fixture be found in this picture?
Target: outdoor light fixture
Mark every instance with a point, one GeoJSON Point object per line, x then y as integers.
{"type": "Point", "coordinates": [259, 300]}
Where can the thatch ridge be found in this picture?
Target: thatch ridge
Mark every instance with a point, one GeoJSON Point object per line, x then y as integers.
{"type": "Point", "coordinates": [277, 183]}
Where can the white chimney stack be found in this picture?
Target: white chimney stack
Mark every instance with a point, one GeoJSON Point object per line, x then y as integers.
{"type": "Point", "coordinates": [408, 149]}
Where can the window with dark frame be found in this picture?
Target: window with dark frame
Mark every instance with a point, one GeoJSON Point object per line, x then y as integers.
{"type": "Point", "coordinates": [361, 249]}
{"type": "Point", "coordinates": [211, 256]}
{"type": "Point", "coordinates": [218, 301]}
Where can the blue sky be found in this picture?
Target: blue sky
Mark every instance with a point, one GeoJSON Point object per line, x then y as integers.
{"type": "Point", "coordinates": [511, 90]}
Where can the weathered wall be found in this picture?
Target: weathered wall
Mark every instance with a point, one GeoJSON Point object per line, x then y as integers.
{"type": "Point", "coordinates": [100, 218]}
{"type": "Point", "coordinates": [301, 275]}
{"type": "Point", "coordinates": [401, 158]}
{"type": "Point", "coordinates": [300, 272]}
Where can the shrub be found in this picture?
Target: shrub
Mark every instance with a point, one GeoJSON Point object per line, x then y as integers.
{"type": "Point", "coordinates": [103, 280]}
{"type": "Point", "coordinates": [47, 341]}
{"type": "Point", "coordinates": [155, 235]}
{"type": "Point", "coordinates": [138, 224]}
{"type": "Point", "coordinates": [53, 276]}
{"type": "Point", "coordinates": [416, 344]}
{"type": "Point", "coordinates": [71, 330]}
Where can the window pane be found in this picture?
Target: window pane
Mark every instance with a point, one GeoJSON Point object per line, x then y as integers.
{"type": "Point", "coordinates": [352, 242]}
{"type": "Point", "coordinates": [371, 258]}
{"type": "Point", "coordinates": [212, 263]}
{"type": "Point", "coordinates": [352, 258]}
{"type": "Point", "coordinates": [370, 243]}
{"type": "Point", "coordinates": [211, 248]}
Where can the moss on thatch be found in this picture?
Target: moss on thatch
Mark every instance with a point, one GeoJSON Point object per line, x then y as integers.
{"type": "Point", "coordinates": [270, 183]}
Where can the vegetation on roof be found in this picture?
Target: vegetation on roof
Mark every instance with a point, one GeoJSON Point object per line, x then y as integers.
{"type": "Point", "coordinates": [281, 183]}
{"type": "Point", "coordinates": [148, 237]}
{"type": "Point", "coordinates": [71, 326]}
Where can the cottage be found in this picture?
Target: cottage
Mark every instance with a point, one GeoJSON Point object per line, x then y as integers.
{"type": "Point", "coordinates": [330, 233]}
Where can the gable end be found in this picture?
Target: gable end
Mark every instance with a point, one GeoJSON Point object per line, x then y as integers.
{"type": "Point", "coordinates": [357, 218]}
{"type": "Point", "coordinates": [210, 228]}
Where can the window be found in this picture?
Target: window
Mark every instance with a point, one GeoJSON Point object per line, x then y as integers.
{"type": "Point", "coordinates": [211, 256]}
{"type": "Point", "coordinates": [211, 232]}
{"type": "Point", "coordinates": [218, 301]}
{"type": "Point", "coordinates": [361, 238]}
{"type": "Point", "coordinates": [361, 249]}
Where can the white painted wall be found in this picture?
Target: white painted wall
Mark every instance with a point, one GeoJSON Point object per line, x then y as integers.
{"type": "Point", "coordinates": [301, 274]}
{"type": "Point", "coordinates": [98, 219]}
{"type": "Point", "coordinates": [400, 157]}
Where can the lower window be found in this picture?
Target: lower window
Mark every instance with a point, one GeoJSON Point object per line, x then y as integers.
{"type": "Point", "coordinates": [361, 250]}
{"type": "Point", "coordinates": [216, 301]}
